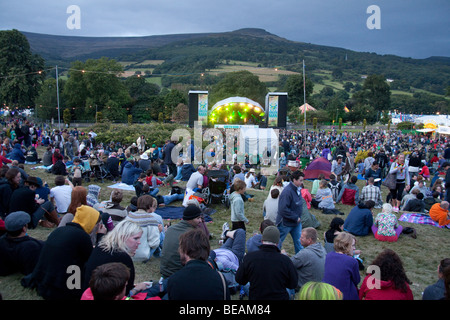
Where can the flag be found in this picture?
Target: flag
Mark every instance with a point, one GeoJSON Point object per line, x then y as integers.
{"type": "Point", "coordinates": [346, 109]}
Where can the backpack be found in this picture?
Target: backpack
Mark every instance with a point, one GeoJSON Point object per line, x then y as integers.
{"type": "Point", "coordinates": [155, 154]}
{"type": "Point", "coordinates": [334, 187]}
{"type": "Point", "coordinates": [348, 197]}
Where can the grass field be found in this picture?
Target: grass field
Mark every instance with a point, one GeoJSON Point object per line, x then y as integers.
{"type": "Point", "coordinates": [420, 256]}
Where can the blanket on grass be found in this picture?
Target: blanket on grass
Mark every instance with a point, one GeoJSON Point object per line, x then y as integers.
{"type": "Point", "coordinates": [122, 186]}
{"type": "Point", "coordinates": [420, 218]}
{"type": "Point", "coordinates": [173, 212]}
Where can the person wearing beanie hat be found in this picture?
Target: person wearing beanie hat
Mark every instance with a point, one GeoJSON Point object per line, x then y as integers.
{"type": "Point", "coordinates": [268, 271]}
{"type": "Point", "coordinates": [18, 251]}
{"type": "Point", "coordinates": [191, 212]}
{"type": "Point", "coordinates": [271, 235]}
{"type": "Point", "coordinates": [87, 217]}
{"type": "Point", "coordinates": [66, 248]}
{"type": "Point", "coordinates": [170, 256]}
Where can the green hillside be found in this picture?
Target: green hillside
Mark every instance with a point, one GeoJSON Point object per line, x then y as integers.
{"type": "Point", "coordinates": [186, 56]}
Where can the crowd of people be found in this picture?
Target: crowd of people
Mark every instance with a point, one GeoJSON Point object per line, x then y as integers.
{"type": "Point", "coordinates": [105, 238]}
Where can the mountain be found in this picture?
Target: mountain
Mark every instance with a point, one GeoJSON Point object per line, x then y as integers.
{"type": "Point", "coordinates": [193, 54]}
{"type": "Point", "coordinates": [70, 48]}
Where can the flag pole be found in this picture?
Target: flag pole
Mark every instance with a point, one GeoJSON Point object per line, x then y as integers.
{"type": "Point", "coordinates": [304, 93]}
{"type": "Point", "coordinates": [57, 98]}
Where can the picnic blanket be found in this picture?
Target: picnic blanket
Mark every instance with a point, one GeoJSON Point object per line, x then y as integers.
{"type": "Point", "coordinates": [122, 186]}
{"type": "Point", "coordinates": [420, 219]}
{"type": "Point", "coordinates": [173, 212]}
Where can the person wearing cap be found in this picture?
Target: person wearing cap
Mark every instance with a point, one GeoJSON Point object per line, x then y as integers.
{"type": "Point", "coordinates": [268, 271]}
{"type": "Point", "coordinates": [24, 199]}
{"type": "Point", "coordinates": [144, 162]}
{"type": "Point", "coordinates": [250, 179]}
{"type": "Point", "coordinates": [61, 262]}
{"type": "Point", "coordinates": [18, 251]}
{"type": "Point", "coordinates": [170, 256]}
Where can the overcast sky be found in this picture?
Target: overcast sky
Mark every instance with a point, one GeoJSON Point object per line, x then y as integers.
{"type": "Point", "coordinates": [408, 28]}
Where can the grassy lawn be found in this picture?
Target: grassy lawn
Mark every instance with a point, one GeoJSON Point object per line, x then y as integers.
{"type": "Point", "coordinates": [420, 256]}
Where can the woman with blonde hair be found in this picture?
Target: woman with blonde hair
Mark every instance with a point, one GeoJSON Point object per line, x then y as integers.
{"type": "Point", "coordinates": [118, 245]}
{"type": "Point", "coordinates": [341, 269]}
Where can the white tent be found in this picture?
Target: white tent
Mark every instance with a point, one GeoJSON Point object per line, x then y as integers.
{"type": "Point", "coordinates": [440, 120]}
{"type": "Point", "coordinates": [258, 141]}
{"type": "Point", "coordinates": [443, 130]}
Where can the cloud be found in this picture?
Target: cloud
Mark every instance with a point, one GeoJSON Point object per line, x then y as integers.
{"type": "Point", "coordinates": [404, 24]}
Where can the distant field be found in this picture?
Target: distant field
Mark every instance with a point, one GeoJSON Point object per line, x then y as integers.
{"type": "Point", "coordinates": [264, 74]}
{"type": "Point", "coordinates": [146, 62]}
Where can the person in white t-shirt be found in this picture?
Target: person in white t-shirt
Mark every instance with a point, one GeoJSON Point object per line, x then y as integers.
{"type": "Point", "coordinates": [250, 179]}
{"type": "Point", "coordinates": [61, 194]}
{"type": "Point", "coordinates": [195, 182]}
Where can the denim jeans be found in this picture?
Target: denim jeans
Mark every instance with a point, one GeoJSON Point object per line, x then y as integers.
{"type": "Point", "coordinates": [237, 244]}
{"type": "Point", "coordinates": [178, 177]}
{"type": "Point", "coordinates": [173, 197]}
{"type": "Point", "coordinates": [154, 192]}
{"type": "Point", "coordinates": [295, 234]}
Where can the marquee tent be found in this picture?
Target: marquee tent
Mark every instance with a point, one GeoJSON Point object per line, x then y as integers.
{"type": "Point", "coordinates": [308, 108]}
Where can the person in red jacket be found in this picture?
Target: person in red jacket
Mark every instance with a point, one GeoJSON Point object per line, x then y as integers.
{"type": "Point", "coordinates": [4, 160]}
{"type": "Point", "coordinates": [388, 282]}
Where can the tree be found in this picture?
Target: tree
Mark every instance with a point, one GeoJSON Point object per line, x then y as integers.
{"type": "Point", "coordinates": [66, 117]}
{"type": "Point", "coordinates": [377, 92]}
{"type": "Point", "coordinates": [241, 84]}
{"type": "Point", "coordinates": [113, 111]}
{"type": "Point", "coordinates": [21, 71]}
{"type": "Point", "coordinates": [96, 83]}
{"type": "Point", "coordinates": [294, 88]}
{"type": "Point", "coordinates": [46, 103]}
{"type": "Point", "coordinates": [181, 113]}
{"type": "Point", "coordinates": [140, 90]}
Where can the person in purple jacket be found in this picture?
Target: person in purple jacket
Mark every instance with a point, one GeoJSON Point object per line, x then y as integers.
{"type": "Point", "coordinates": [341, 269]}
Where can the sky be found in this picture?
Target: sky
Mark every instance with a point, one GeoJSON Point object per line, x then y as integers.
{"type": "Point", "coordinates": [407, 28]}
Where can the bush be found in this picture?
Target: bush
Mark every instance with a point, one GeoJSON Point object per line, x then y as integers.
{"type": "Point", "coordinates": [156, 133]}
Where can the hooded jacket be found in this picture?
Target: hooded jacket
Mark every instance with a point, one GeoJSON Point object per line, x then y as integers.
{"type": "Point", "coordinates": [310, 263]}
{"type": "Point", "coordinates": [237, 208]}
{"type": "Point", "coordinates": [290, 206]}
{"type": "Point", "coordinates": [150, 238]}
{"type": "Point", "coordinates": [130, 174]}
{"type": "Point", "coordinates": [17, 154]}
{"type": "Point", "coordinates": [359, 220]}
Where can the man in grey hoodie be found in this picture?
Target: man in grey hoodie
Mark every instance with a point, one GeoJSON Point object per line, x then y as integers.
{"type": "Point", "coordinates": [310, 261]}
